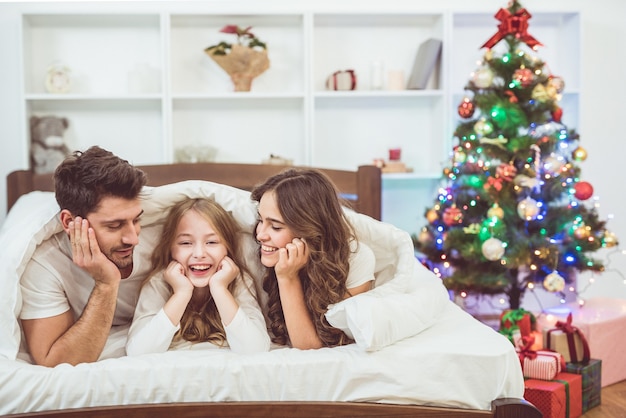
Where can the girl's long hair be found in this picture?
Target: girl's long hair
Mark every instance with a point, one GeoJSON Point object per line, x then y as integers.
{"type": "Point", "coordinates": [310, 206]}
{"type": "Point", "coordinates": [201, 321]}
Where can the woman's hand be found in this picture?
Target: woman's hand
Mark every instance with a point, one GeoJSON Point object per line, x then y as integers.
{"type": "Point", "coordinates": [292, 258]}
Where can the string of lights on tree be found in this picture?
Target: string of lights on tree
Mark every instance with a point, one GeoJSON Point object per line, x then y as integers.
{"type": "Point", "coordinates": [514, 211]}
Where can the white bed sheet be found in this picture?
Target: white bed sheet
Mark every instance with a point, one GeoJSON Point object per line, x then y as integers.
{"type": "Point", "coordinates": [458, 362]}
{"type": "Point", "coordinates": [429, 352]}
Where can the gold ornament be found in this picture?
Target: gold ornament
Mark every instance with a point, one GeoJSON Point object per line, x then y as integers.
{"type": "Point", "coordinates": [493, 249]}
{"type": "Point", "coordinates": [579, 154]}
{"type": "Point", "coordinates": [495, 211]}
{"type": "Point", "coordinates": [554, 282]}
{"type": "Point", "coordinates": [432, 216]}
{"type": "Point", "coordinates": [483, 77]}
{"type": "Point", "coordinates": [609, 240]}
{"type": "Point", "coordinates": [540, 93]}
{"type": "Point", "coordinates": [528, 209]}
{"type": "Point", "coordinates": [424, 237]}
{"type": "Point", "coordinates": [582, 232]}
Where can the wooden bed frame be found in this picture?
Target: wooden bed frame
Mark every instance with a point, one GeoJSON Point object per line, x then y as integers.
{"type": "Point", "coordinates": [364, 186]}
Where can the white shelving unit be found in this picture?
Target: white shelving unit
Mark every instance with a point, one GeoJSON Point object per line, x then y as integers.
{"type": "Point", "coordinates": [184, 99]}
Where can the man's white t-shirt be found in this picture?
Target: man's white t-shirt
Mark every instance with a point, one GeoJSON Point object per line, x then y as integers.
{"type": "Point", "coordinates": [52, 284]}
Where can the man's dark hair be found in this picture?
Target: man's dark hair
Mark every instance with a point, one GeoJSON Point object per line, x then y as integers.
{"type": "Point", "coordinates": [84, 178]}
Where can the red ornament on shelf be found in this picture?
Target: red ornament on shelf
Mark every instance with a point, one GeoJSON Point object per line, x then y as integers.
{"type": "Point", "coordinates": [583, 190]}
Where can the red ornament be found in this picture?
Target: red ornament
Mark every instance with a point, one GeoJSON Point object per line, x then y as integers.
{"type": "Point", "coordinates": [524, 76]}
{"type": "Point", "coordinates": [512, 96]}
{"type": "Point", "coordinates": [583, 190]}
{"type": "Point", "coordinates": [452, 215]}
{"type": "Point", "coordinates": [466, 108]}
{"type": "Point", "coordinates": [506, 171]}
{"type": "Point", "coordinates": [557, 114]}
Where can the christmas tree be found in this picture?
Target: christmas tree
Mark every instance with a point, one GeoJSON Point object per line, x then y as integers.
{"type": "Point", "coordinates": [513, 211]}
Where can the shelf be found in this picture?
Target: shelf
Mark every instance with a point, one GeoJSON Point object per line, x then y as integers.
{"type": "Point", "coordinates": [143, 86]}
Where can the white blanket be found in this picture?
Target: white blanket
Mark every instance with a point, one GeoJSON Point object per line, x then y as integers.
{"type": "Point", "coordinates": [413, 346]}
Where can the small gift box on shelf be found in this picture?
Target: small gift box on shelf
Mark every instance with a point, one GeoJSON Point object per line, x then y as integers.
{"type": "Point", "coordinates": [558, 398]}
{"type": "Point", "coordinates": [513, 319]}
{"type": "Point", "coordinates": [567, 340]}
{"type": "Point", "coordinates": [591, 373]}
{"type": "Point", "coordinates": [540, 364]}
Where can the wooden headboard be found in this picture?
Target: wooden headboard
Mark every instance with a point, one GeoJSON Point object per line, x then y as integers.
{"type": "Point", "coordinates": [362, 185]}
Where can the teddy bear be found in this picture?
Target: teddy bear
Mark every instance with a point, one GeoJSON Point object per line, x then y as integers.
{"type": "Point", "coordinates": [48, 147]}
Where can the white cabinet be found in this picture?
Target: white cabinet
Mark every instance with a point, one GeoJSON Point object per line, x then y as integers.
{"type": "Point", "coordinates": [143, 87]}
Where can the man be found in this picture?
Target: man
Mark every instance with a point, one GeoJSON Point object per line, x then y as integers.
{"type": "Point", "coordinates": [85, 279]}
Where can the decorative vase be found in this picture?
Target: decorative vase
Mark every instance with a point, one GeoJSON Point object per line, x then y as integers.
{"type": "Point", "coordinates": [242, 64]}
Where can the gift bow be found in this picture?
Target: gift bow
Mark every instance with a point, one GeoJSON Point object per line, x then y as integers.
{"type": "Point", "coordinates": [512, 24]}
{"type": "Point", "coordinates": [513, 316]}
{"type": "Point", "coordinates": [524, 349]}
{"type": "Point", "coordinates": [570, 330]}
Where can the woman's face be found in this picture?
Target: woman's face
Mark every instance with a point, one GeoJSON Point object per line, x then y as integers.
{"type": "Point", "coordinates": [271, 230]}
{"type": "Point", "coordinates": [198, 247]}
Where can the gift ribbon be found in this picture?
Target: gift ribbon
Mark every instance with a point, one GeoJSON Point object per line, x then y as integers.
{"type": "Point", "coordinates": [569, 330]}
{"type": "Point", "coordinates": [524, 350]}
{"type": "Point", "coordinates": [512, 24]}
{"type": "Point", "coordinates": [566, 383]}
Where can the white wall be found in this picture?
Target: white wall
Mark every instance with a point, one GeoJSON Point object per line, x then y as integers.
{"type": "Point", "coordinates": [603, 91]}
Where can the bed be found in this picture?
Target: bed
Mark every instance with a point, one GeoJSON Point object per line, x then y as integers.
{"type": "Point", "coordinates": [415, 353]}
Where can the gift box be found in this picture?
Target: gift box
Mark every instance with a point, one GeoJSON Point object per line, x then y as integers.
{"type": "Point", "coordinates": [591, 373]}
{"type": "Point", "coordinates": [603, 323]}
{"type": "Point", "coordinates": [513, 319]}
{"type": "Point", "coordinates": [568, 340]}
{"type": "Point", "coordinates": [540, 364]}
{"type": "Point", "coordinates": [558, 398]}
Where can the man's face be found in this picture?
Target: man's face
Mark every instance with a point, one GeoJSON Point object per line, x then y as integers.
{"type": "Point", "coordinates": [116, 225]}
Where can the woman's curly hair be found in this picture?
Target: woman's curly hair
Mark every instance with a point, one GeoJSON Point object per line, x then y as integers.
{"type": "Point", "coordinates": [311, 207]}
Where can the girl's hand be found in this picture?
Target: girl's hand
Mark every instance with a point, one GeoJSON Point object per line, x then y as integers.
{"type": "Point", "coordinates": [226, 272]}
{"type": "Point", "coordinates": [292, 258]}
{"type": "Point", "coordinates": [175, 276]}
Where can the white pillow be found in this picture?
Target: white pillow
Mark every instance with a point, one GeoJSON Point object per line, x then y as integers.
{"type": "Point", "coordinates": [407, 299]}
{"type": "Point", "coordinates": [32, 219]}
{"type": "Point", "coordinates": [387, 314]}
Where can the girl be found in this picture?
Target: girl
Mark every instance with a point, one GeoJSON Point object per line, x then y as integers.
{"type": "Point", "coordinates": [199, 288]}
{"type": "Point", "coordinates": [312, 256]}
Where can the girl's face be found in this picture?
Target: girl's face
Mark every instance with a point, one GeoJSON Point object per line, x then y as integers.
{"type": "Point", "coordinates": [198, 247]}
{"type": "Point", "coordinates": [271, 230]}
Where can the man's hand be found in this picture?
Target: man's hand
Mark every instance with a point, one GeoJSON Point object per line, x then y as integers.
{"type": "Point", "coordinates": [87, 255]}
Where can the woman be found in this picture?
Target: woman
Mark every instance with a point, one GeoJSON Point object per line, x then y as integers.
{"type": "Point", "coordinates": [312, 256]}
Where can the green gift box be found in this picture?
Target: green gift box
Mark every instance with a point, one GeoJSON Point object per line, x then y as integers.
{"type": "Point", "coordinates": [592, 378]}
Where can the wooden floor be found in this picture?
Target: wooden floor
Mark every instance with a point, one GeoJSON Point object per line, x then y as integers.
{"type": "Point", "coordinates": [613, 402]}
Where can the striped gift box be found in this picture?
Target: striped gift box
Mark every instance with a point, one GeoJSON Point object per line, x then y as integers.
{"type": "Point", "coordinates": [544, 366]}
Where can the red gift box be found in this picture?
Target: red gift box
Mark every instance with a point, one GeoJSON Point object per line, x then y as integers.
{"type": "Point", "coordinates": [514, 319]}
{"type": "Point", "coordinates": [558, 398]}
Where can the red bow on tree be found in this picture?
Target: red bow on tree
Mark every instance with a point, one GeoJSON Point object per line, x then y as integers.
{"type": "Point", "coordinates": [512, 24]}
